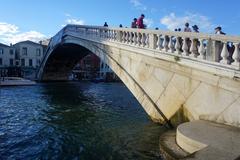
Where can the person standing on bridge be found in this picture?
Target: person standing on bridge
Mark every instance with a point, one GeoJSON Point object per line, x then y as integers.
{"type": "Point", "coordinates": [195, 28]}
{"type": "Point", "coordinates": [218, 30]}
{"type": "Point", "coordinates": [105, 24]}
{"type": "Point", "coordinates": [140, 24]}
{"type": "Point", "coordinates": [187, 28]}
{"type": "Point", "coordinates": [134, 23]}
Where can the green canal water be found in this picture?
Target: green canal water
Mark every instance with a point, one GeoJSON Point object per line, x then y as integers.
{"type": "Point", "coordinates": [74, 121]}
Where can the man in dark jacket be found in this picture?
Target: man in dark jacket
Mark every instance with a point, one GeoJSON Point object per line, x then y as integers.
{"type": "Point", "coordinates": [134, 23]}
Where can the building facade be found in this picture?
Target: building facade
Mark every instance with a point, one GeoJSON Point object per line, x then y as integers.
{"type": "Point", "coordinates": [106, 72]}
{"type": "Point", "coordinates": [28, 54]}
{"type": "Point", "coordinates": [21, 59]}
{"type": "Point", "coordinates": [7, 56]}
{"type": "Point", "coordinates": [87, 68]}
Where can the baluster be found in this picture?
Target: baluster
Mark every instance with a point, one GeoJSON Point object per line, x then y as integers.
{"type": "Point", "coordinates": [159, 42]}
{"type": "Point", "coordinates": [126, 37]}
{"type": "Point", "coordinates": [185, 47]}
{"type": "Point", "coordinates": [109, 35]}
{"type": "Point", "coordinates": [132, 38]}
{"type": "Point", "coordinates": [123, 37]}
{"type": "Point", "coordinates": [170, 45]}
{"type": "Point", "coordinates": [193, 48]}
{"type": "Point", "coordinates": [135, 38]}
{"type": "Point", "coordinates": [147, 40]}
{"type": "Point", "coordinates": [165, 43]}
{"type": "Point", "coordinates": [178, 46]}
{"type": "Point", "coordinates": [139, 39]}
{"type": "Point", "coordinates": [201, 49]}
{"type": "Point", "coordinates": [114, 35]}
{"type": "Point", "coordinates": [143, 40]}
{"type": "Point", "coordinates": [224, 54]}
{"type": "Point", "coordinates": [236, 55]}
{"type": "Point", "coordinates": [100, 33]}
{"type": "Point", "coordinates": [129, 37]}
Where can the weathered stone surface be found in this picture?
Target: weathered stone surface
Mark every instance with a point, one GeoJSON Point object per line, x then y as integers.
{"type": "Point", "coordinates": [206, 90]}
{"type": "Point", "coordinates": [185, 85]}
{"type": "Point", "coordinates": [170, 101]}
{"type": "Point", "coordinates": [163, 76]}
{"type": "Point", "coordinates": [208, 102]}
{"type": "Point", "coordinates": [231, 115]}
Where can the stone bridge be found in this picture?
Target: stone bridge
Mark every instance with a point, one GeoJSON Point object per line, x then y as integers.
{"type": "Point", "coordinates": [170, 73]}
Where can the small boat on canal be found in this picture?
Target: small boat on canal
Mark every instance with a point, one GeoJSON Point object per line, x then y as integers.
{"type": "Point", "coordinates": [15, 81]}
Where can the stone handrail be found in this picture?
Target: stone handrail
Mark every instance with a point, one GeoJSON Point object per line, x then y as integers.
{"type": "Point", "coordinates": [219, 50]}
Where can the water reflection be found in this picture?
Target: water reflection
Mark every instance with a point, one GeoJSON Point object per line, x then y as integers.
{"type": "Point", "coordinates": [75, 121]}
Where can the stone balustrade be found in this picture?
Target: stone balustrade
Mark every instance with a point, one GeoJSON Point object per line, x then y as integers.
{"type": "Point", "coordinates": [219, 50]}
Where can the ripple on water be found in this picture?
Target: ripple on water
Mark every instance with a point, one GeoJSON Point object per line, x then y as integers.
{"type": "Point", "coordinates": [75, 121]}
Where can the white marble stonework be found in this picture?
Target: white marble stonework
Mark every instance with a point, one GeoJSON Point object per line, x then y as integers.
{"type": "Point", "coordinates": [165, 75]}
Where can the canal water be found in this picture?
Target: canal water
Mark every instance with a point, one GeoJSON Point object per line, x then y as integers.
{"type": "Point", "coordinates": [75, 121]}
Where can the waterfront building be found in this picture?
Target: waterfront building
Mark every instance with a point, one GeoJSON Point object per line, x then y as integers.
{"type": "Point", "coordinates": [28, 57]}
{"type": "Point", "coordinates": [7, 56]}
{"type": "Point", "coordinates": [106, 72]}
{"type": "Point", "coordinates": [7, 60]}
{"type": "Point", "coordinates": [87, 68]}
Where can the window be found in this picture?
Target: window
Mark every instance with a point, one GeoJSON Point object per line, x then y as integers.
{"type": "Point", "coordinates": [38, 62]}
{"type": "Point", "coordinates": [22, 62]}
{"type": "Point", "coordinates": [0, 61]}
{"type": "Point", "coordinates": [17, 63]}
{"type": "Point", "coordinates": [30, 62]}
{"type": "Point", "coordinates": [1, 50]}
{"type": "Point", "coordinates": [24, 51]}
{"type": "Point", "coordinates": [11, 51]}
{"type": "Point", "coordinates": [11, 62]}
{"type": "Point", "coordinates": [38, 51]}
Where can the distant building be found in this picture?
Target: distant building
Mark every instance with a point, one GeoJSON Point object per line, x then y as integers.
{"type": "Point", "coordinates": [7, 56]}
{"type": "Point", "coordinates": [29, 54]}
{"type": "Point", "coordinates": [106, 72]}
{"type": "Point", "coordinates": [87, 68]}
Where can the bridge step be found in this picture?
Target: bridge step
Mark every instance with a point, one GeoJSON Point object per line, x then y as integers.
{"type": "Point", "coordinates": [207, 140]}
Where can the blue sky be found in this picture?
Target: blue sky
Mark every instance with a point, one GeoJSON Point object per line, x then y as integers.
{"type": "Point", "coordinates": [35, 20]}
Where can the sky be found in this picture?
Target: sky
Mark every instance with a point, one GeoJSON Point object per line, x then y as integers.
{"type": "Point", "coordinates": [40, 19]}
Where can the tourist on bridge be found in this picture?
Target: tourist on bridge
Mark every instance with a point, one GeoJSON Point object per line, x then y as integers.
{"type": "Point", "coordinates": [218, 30]}
{"type": "Point", "coordinates": [195, 28]}
{"type": "Point", "coordinates": [187, 28]}
{"type": "Point", "coordinates": [140, 22]}
{"type": "Point", "coordinates": [105, 24]}
{"type": "Point", "coordinates": [134, 23]}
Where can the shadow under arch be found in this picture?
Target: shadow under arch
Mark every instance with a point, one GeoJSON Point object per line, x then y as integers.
{"type": "Point", "coordinates": [62, 60]}
{"type": "Point", "coordinates": [65, 56]}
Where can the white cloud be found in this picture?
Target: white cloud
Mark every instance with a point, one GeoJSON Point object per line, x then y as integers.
{"type": "Point", "coordinates": [6, 28]}
{"type": "Point", "coordinates": [172, 21]}
{"type": "Point", "coordinates": [137, 4]}
{"type": "Point", "coordinates": [71, 20]}
{"type": "Point", "coordinates": [31, 35]}
{"type": "Point", "coordinates": [75, 21]}
{"type": "Point", "coordinates": [148, 22]}
{"type": "Point", "coordinates": [10, 34]}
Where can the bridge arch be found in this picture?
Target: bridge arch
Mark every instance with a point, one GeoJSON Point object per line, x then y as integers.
{"type": "Point", "coordinates": [65, 56]}
{"type": "Point", "coordinates": [164, 75]}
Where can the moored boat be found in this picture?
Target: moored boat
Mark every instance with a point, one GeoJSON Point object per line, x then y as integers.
{"type": "Point", "coordinates": [15, 81]}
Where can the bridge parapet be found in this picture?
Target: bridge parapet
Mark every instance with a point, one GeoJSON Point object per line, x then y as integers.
{"type": "Point", "coordinates": [218, 50]}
